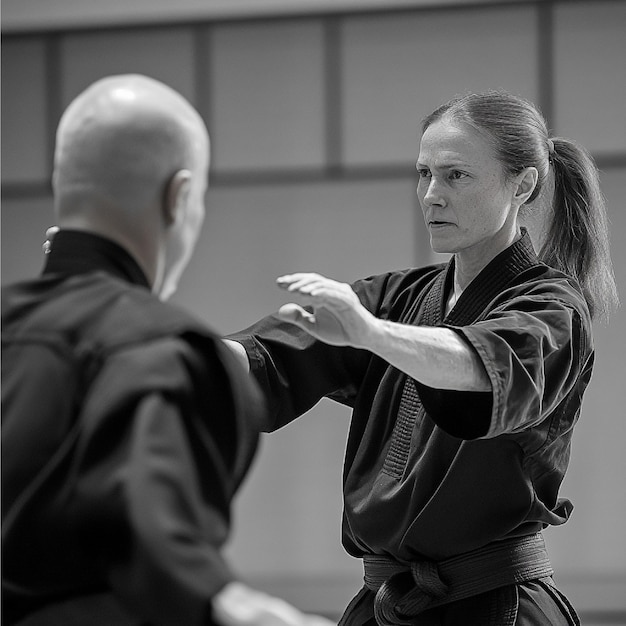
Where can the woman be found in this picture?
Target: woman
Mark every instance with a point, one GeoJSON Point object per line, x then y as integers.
{"type": "Point", "coordinates": [465, 379]}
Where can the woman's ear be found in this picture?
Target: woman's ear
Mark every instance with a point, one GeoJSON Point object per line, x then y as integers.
{"type": "Point", "coordinates": [525, 181]}
{"type": "Point", "coordinates": [176, 196]}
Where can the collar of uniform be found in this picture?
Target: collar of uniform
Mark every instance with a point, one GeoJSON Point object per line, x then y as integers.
{"type": "Point", "coordinates": [500, 271]}
{"type": "Point", "coordinates": [78, 252]}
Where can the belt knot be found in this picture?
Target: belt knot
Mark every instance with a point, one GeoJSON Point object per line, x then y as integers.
{"type": "Point", "coordinates": [407, 593]}
{"type": "Point", "coordinates": [403, 590]}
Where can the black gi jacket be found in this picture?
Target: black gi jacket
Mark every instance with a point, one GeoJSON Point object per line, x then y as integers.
{"type": "Point", "coordinates": [126, 429]}
{"type": "Point", "coordinates": [472, 468]}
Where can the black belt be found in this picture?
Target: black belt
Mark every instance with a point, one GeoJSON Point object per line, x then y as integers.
{"type": "Point", "coordinates": [404, 590]}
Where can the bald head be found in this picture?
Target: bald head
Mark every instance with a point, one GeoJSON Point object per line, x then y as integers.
{"type": "Point", "coordinates": [129, 149]}
{"type": "Point", "coordinates": [121, 138]}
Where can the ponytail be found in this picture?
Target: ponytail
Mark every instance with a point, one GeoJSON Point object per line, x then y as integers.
{"type": "Point", "coordinates": [577, 239]}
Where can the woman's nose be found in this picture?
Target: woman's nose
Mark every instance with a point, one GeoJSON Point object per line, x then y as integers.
{"type": "Point", "coordinates": [433, 195]}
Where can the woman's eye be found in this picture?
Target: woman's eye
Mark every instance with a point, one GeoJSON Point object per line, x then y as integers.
{"type": "Point", "coordinates": [456, 175]}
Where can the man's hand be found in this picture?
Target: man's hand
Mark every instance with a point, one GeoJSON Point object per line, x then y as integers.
{"type": "Point", "coordinates": [50, 233]}
{"type": "Point", "coordinates": [329, 310]}
{"type": "Point", "coordinates": [239, 605]}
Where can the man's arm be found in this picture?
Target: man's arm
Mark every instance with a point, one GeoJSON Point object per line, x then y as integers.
{"type": "Point", "coordinates": [239, 605]}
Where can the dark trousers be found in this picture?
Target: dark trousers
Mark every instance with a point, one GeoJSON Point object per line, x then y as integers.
{"type": "Point", "coordinates": [101, 609]}
{"type": "Point", "coordinates": [533, 603]}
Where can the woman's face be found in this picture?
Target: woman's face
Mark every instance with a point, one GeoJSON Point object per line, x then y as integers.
{"type": "Point", "coordinates": [464, 193]}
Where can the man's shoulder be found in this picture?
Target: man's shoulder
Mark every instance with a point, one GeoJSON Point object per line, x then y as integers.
{"type": "Point", "coordinates": [146, 316]}
{"type": "Point", "coordinates": [96, 314]}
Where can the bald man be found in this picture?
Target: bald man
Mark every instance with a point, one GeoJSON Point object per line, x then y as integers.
{"type": "Point", "coordinates": [127, 426]}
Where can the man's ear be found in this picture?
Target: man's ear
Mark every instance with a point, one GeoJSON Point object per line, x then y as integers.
{"type": "Point", "coordinates": [176, 196]}
{"type": "Point", "coordinates": [526, 182]}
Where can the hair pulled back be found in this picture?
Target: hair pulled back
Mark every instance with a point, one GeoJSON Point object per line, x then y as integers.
{"type": "Point", "coordinates": [577, 238]}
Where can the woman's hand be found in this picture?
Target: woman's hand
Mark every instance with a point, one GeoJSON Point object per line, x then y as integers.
{"type": "Point", "coordinates": [327, 309]}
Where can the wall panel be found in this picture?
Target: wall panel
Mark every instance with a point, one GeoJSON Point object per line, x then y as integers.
{"type": "Point", "coordinates": [164, 54]}
{"type": "Point", "coordinates": [590, 74]}
{"type": "Point", "coordinates": [268, 91]}
{"type": "Point", "coordinates": [397, 69]}
{"type": "Point", "coordinates": [24, 111]}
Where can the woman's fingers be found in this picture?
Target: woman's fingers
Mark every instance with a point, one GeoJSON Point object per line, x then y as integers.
{"type": "Point", "coordinates": [313, 285]}
{"type": "Point", "coordinates": [301, 282]}
{"type": "Point", "coordinates": [295, 314]}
